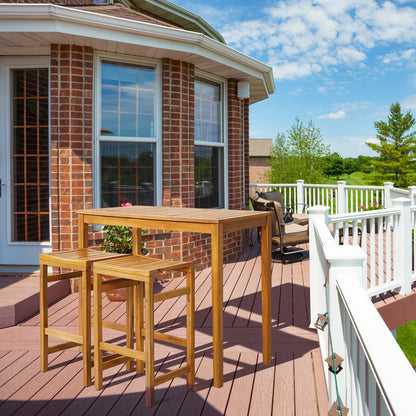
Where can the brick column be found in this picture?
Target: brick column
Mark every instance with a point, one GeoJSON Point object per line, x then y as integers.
{"type": "Point", "coordinates": [178, 133]}
{"type": "Point", "coordinates": [71, 84]}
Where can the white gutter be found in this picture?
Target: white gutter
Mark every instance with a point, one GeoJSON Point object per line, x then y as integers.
{"type": "Point", "coordinates": [38, 18]}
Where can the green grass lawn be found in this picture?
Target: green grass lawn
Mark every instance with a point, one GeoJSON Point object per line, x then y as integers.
{"type": "Point", "coordinates": [356, 178]}
{"type": "Point", "coordinates": [406, 338]}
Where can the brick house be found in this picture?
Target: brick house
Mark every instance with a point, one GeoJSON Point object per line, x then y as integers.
{"type": "Point", "coordinates": [139, 102]}
{"type": "Point", "coordinates": [259, 156]}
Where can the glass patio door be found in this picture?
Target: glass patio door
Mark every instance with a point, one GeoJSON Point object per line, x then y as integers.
{"type": "Point", "coordinates": [24, 160]}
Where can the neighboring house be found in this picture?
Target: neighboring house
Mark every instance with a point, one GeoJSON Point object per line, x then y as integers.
{"type": "Point", "coordinates": [259, 156]}
{"type": "Point", "coordinates": [109, 103]}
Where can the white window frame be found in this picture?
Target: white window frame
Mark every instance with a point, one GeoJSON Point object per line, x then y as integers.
{"type": "Point", "coordinates": [223, 144]}
{"type": "Point", "coordinates": [97, 138]}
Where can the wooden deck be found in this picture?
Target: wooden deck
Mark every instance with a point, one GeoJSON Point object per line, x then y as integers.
{"type": "Point", "coordinates": [292, 385]}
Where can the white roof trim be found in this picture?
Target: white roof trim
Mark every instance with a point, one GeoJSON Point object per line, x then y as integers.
{"type": "Point", "coordinates": [41, 18]}
{"type": "Point", "coordinates": [178, 15]}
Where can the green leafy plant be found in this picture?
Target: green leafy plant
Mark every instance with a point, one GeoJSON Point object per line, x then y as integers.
{"type": "Point", "coordinates": [119, 239]}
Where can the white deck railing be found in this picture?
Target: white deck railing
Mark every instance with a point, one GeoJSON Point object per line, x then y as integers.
{"type": "Point", "coordinates": [340, 198]}
{"type": "Point", "coordinates": [376, 379]}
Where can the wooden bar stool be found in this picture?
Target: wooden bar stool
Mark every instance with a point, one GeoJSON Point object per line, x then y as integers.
{"type": "Point", "coordinates": [80, 262]}
{"type": "Point", "coordinates": [138, 271]}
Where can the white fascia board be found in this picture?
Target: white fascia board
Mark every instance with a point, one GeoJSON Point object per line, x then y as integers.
{"type": "Point", "coordinates": [173, 10]}
{"type": "Point", "coordinates": [53, 18]}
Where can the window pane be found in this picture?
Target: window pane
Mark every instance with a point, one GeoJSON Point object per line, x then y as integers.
{"type": "Point", "coordinates": [127, 173]}
{"type": "Point", "coordinates": [208, 177]}
{"type": "Point", "coordinates": [30, 148]}
{"type": "Point", "coordinates": [127, 94]}
{"type": "Point", "coordinates": [208, 111]}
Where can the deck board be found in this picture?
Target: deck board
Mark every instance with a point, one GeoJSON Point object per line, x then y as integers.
{"type": "Point", "coordinates": [292, 385]}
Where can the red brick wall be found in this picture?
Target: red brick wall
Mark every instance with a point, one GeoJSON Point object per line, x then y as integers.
{"type": "Point", "coordinates": [71, 74]}
{"type": "Point", "coordinates": [71, 96]}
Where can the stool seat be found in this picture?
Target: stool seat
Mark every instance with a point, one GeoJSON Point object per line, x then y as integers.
{"type": "Point", "coordinates": [134, 272]}
{"type": "Point", "coordinates": [82, 257]}
{"type": "Point", "coordinates": [80, 262]}
{"type": "Point", "coordinates": [143, 266]}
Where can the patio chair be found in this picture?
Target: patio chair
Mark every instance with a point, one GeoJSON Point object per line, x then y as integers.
{"type": "Point", "coordinates": [289, 214]}
{"type": "Point", "coordinates": [284, 235]}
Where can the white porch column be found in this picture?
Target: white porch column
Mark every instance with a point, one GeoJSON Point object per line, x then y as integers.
{"type": "Point", "coordinates": [345, 261]}
{"type": "Point", "coordinates": [403, 246]}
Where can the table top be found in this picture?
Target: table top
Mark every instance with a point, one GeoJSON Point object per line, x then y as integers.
{"type": "Point", "coordinates": [173, 214]}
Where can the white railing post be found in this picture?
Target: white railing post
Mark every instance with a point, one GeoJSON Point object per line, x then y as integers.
{"type": "Point", "coordinates": [388, 187]}
{"type": "Point", "coordinates": [300, 194]}
{"type": "Point", "coordinates": [412, 194]}
{"type": "Point", "coordinates": [403, 245]}
{"type": "Point", "coordinates": [342, 199]}
{"type": "Point", "coordinates": [316, 274]}
{"type": "Point", "coordinates": [345, 261]}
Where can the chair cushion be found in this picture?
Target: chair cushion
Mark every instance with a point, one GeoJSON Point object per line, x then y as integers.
{"type": "Point", "coordinates": [302, 219]}
{"type": "Point", "coordinates": [275, 225]}
{"type": "Point", "coordinates": [272, 196]}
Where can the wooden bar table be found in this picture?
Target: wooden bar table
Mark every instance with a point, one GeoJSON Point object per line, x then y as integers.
{"type": "Point", "coordinates": [215, 222]}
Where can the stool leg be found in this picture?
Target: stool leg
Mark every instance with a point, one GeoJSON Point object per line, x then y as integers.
{"type": "Point", "coordinates": [190, 326]}
{"type": "Point", "coordinates": [43, 317]}
{"type": "Point", "coordinates": [139, 324]}
{"type": "Point", "coordinates": [149, 344]}
{"type": "Point", "coordinates": [129, 324]}
{"type": "Point", "coordinates": [85, 323]}
{"type": "Point", "coordinates": [98, 329]}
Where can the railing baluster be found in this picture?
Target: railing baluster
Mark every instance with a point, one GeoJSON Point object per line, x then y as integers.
{"type": "Point", "coordinates": [389, 248]}
{"type": "Point", "coordinates": [372, 251]}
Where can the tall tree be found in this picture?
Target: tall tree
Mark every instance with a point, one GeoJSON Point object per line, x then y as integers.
{"type": "Point", "coordinates": [298, 155]}
{"type": "Point", "coordinates": [397, 145]}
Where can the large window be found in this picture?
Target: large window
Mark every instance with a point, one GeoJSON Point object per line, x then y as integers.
{"type": "Point", "coordinates": [209, 144]}
{"type": "Point", "coordinates": [128, 134]}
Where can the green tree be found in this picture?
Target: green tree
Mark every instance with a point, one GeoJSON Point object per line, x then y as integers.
{"type": "Point", "coordinates": [350, 165]}
{"type": "Point", "coordinates": [298, 154]}
{"type": "Point", "coordinates": [333, 165]}
{"type": "Point", "coordinates": [397, 145]}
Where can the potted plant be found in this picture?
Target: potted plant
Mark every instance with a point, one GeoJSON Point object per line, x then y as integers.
{"type": "Point", "coordinates": [373, 207]}
{"type": "Point", "coordinates": [119, 239]}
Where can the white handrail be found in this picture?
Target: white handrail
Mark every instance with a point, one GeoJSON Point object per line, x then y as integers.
{"type": "Point", "coordinates": [374, 354]}
{"type": "Point", "coordinates": [371, 383]}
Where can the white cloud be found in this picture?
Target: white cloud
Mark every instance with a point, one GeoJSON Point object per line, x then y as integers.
{"type": "Point", "coordinates": [303, 37]}
{"type": "Point", "coordinates": [372, 140]}
{"type": "Point", "coordinates": [399, 57]}
{"type": "Point", "coordinates": [337, 115]}
{"type": "Point", "coordinates": [409, 103]}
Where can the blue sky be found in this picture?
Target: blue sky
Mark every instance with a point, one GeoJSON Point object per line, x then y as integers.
{"type": "Point", "coordinates": [339, 63]}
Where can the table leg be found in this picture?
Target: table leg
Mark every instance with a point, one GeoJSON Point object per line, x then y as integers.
{"type": "Point", "coordinates": [82, 232]}
{"type": "Point", "coordinates": [217, 302]}
{"type": "Point", "coordinates": [137, 241]}
{"type": "Point", "coordinates": [266, 290]}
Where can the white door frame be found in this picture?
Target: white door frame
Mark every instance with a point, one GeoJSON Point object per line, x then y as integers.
{"type": "Point", "coordinates": [13, 253]}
